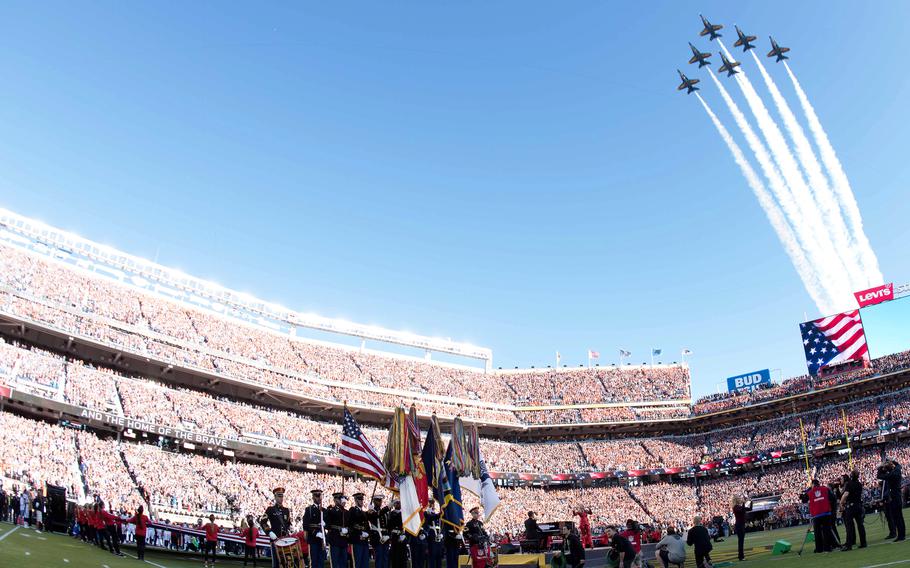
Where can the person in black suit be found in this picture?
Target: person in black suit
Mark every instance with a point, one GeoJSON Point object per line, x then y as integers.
{"type": "Point", "coordinates": [700, 540]}
{"type": "Point", "coordinates": [851, 502]}
{"type": "Point", "coordinates": [532, 532]}
{"type": "Point", "coordinates": [740, 508]}
{"type": "Point", "coordinates": [890, 472]}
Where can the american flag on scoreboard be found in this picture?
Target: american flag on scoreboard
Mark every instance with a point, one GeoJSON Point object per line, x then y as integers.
{"type": "Point", "coordinates": [358, 453]}
{"type": "Point", "coordinates": [834, 340]}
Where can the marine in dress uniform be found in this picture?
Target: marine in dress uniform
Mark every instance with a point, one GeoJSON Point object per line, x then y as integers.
{"type": "Point", "coordinates": [432, 526]}
{"type": "Point", "coordinates": [359, 535]}
{"type": "Point", "coordinates": [452, 541]}
{"type": "Point", "coordinates": [314, 525]}
{"type": "Point", "coordinates": [398, 552]}
{"type": "Point", "coordinates": [378, 518]}
{"type": "Point", "coordinates": [337, 530]}
{"type": "Point", "coordinates": [277, 521]}
{"type": "Point", "coordinates": [417, 544]}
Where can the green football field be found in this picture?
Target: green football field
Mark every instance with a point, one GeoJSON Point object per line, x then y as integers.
{"type": "Point", "coordinates": [22, 547]}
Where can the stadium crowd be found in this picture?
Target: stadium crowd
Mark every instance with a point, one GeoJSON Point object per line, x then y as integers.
{"type": "Point", "coordinates": [197, 411]}
{"type": "Point", "coordinates": [128, 474]}
{"type": "Point", "coordinates": [62, 296]}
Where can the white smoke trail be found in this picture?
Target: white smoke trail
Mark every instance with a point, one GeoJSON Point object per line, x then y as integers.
{"type": "Point", "coordinates": [831, 267]}
{"type": "Point", "coordinates": [807, 238]}
{"type": "Point", "coordinates": [841, 184]}
{"type": "Point", "coordinates": [775, 217]}
{"type": "Point", "coordinates": [818, 183]}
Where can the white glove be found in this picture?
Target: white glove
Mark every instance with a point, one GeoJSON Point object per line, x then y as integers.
{"type": "Point", "coordinates": [364, 534]}
{"type": "Point", "coordinates": [459, 536]}
{"type": "Point", "coordinates": [344, 531]}
{"type": "Point", "coordinates": [423, 536]}
{"type": "Point", "coordinates": [384, 539]}
{"type": "Point", "coordinates": [319, 535]}
{"type": "Point", "coordinates": [401, 538]}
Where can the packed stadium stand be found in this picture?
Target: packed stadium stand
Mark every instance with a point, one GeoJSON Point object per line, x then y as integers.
{"type": "Point", "coordinates": [117, 379]}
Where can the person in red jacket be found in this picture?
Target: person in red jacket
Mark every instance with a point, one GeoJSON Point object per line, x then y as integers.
{"type": "Point", "coordinates": [142, 523]}
{"type": "Point", "coordinates": [820, 511]}
{"type": "Point", "coordinates": [584, 526]}
{"type": "Point", "coordinates": [633, 535]}
{"type": "Point", "coordinates": [101, 534]}
{"type": "Point", "coordinates": [211, 542]}
{"type": "Point", "coordinates": [111, 523]}
{"type": "Point", "coordinates": [250, 533]}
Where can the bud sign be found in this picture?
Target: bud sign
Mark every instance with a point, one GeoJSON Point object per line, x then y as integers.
{"type": "Point", "coordinates": [875, 295]}
{"type": "Point", "coordinates": [749, 381]}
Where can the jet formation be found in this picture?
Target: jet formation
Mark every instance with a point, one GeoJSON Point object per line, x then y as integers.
{"type": "Point", "coordinates": [687, 83]}
{"type": "Point", "coordinates": [728, 66]}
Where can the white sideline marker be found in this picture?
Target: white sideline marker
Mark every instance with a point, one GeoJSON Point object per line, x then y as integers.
{"type": "Point", "coordinates": [888, 563]}
{"type": "Point", "coordinates": [9, 532]}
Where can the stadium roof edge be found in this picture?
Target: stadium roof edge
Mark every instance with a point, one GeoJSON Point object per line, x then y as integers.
{"type": "Point", "coordinates": [48, 235]}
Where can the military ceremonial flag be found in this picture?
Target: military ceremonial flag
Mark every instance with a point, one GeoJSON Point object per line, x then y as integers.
{"type": "Point", "coordinates": [399, 461]}
{"type": "Point", "coordinates": [358, 454]}
{"type": "Point", "coordinates": [485, 489]}
{"type": "Point", "coordinates": [453, 511]}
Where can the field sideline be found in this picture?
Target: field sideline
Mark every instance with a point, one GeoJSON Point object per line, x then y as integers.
{"type": "Point", "coordinates": [27, 548]}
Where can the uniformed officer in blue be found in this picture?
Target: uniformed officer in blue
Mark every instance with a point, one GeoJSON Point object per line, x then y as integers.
{"type": "Point", "coordinates": [314, 525]}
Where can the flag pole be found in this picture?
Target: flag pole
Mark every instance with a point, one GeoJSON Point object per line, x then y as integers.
{"type": "Point", "coordinates": [373, 494]}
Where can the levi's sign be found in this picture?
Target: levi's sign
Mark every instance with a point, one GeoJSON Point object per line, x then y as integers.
{"type": "Point", "coordinates": [875, 295]}
{"type": "Point", "coordinates": [749, 381]}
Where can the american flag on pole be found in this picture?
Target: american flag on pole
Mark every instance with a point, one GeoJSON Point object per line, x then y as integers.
{"type": "Point", "coordinates": [358, 454]}
{"type": "Point", "coordinates": [593, 354]}
{"type": "Point", "coordinates": [834, 340]}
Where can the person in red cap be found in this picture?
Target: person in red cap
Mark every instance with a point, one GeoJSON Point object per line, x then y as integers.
{"type": "Point", "coordinates": [211, 542]}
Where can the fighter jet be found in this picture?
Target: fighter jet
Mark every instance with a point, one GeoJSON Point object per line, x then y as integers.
{"type": "Point", "coordinates": [687, 83]}
{"type": "Point", "coordinates": [729, 67]}
{"type": "Point", "coordinates": [777, 51]}
{"type": "Point", "coordinates": [710, 29]}
{"type": "Point", "coordinates": [743, 40]}
{"type": "Point", "coordinates": [699, 56]}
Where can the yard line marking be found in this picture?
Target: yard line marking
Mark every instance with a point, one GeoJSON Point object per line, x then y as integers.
{"type": "Point", "coordinates": [888, 563]}
{"type": "Point", "coordinates": [9, 532]}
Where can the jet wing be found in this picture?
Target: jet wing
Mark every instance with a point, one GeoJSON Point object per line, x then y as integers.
{"type": "Point", "coordinates": [695, 58]}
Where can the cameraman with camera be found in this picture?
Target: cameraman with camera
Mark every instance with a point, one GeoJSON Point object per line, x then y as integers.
{"type": "Point", "coordinates": [889, 472]}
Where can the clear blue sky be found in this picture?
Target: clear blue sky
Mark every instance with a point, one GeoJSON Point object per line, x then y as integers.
{"type": "Point", "coordinates": [521, 175]}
